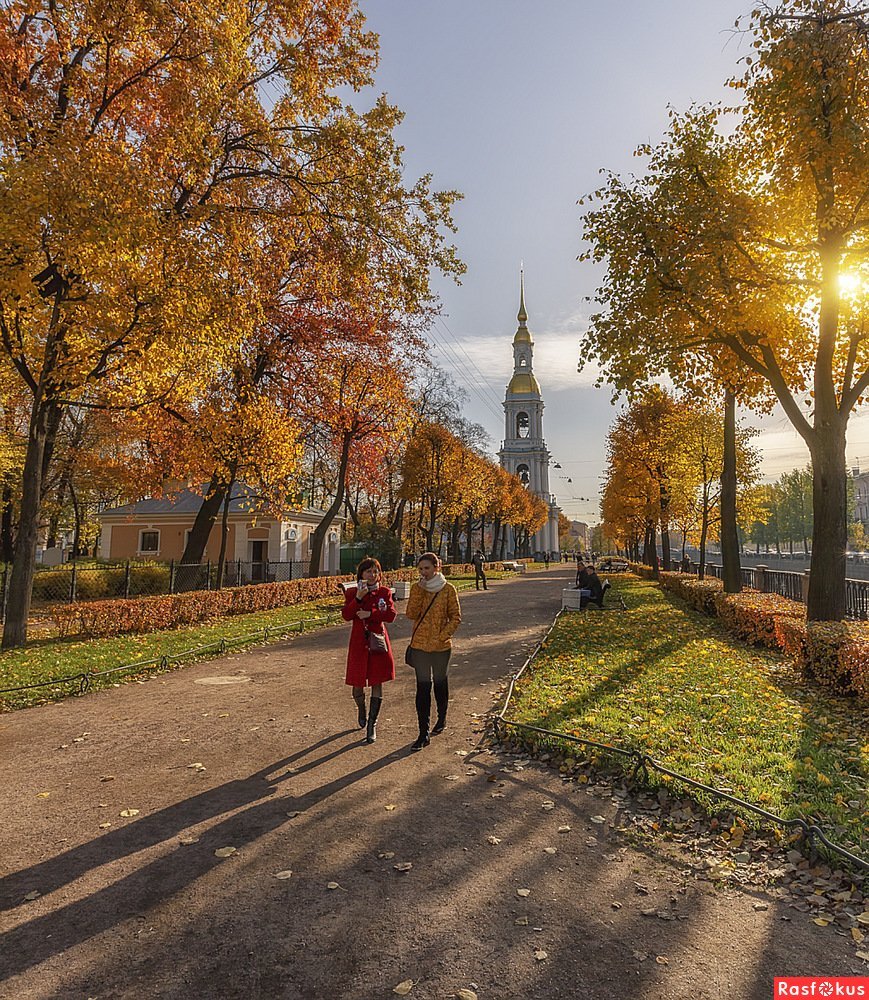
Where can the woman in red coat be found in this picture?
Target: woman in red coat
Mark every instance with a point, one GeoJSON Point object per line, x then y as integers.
{"type": "Point", "coordinates": [369, 606]}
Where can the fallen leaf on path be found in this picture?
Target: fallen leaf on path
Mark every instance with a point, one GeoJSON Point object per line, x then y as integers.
{"type": "Point", "coordinates": [821, 922]}
{"type": "Point", "coordinates": [32, 895]}
{"type": "Point", "coordinates": [403, 866]}
{"type": "Point", "coordinates": [43, 795]}
{"type": "Point", "coordinates": [662, 960]}
{"type": "Point", "coordinates": [187, 841]}
{"type": "Point", "coordinates": [864, 955]}
{"type": "Point", "coordinates": [334, 885]}
{"type": "Point", "coordinates": [107, 777]}
{"type": "Point", "coordinates": [547, 804]}
{"type": "Point", "coordinates": [857, 935]}
{"type": "Point", "coordinates": [293, 815]}
{"type": "Point", "coordinates": [494, 841]}
{"type": "Point", "coordinates": [223, 715]}
{"type": "Point", "coordinates": [641, 956]}
{"type": "Point", "coordinates": [105, 826]}
{"type": "Point", "coordinates": [286, 873]}
{"type": "Point", "coordinates": [492, 777]}
{"type": "Point", "coordinates": [404, 988]}
{"type": "Point", "coordinates": [523, 892]}
{"type": "Point", "coordinates": [550, 850]}
{"type": "Point", "coordinates": [863, 918]}
{"type": "Point", "coordinates": [386, 855]}
{"type": "Point", "coordinates": [521, 921]}
{"type": "Point", "coordinates": [197, 766]}
{"type": "Point", "coordinates": [224, 852]}
{"type": "Point", "coordinates": [127, 813]}
{"type": "Point", "coordinates": [540, 955]}
{"type": "Point", "coordinates": [564, 829]}
{"type": "Point", "coordinates": [451, 777]}
{"type": "Point", "coordinates": [760, 907]}
{"type": "Point", "coordinates": [497, 795]}
{"type": "Point", "coordinates": [598, 819]}
{"type": "Point", "coordinates": [466, 995]}
{"type": "Point", "coordinates": [389, 808]}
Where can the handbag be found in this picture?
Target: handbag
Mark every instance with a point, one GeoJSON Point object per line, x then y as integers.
{"type": "Point", "coordinates": [376, 642]}
{"type": "Point", "coordinates": [407, 657]}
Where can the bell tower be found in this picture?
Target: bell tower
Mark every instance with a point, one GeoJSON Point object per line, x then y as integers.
{"type": "Point", "coordinates": [523, 451]}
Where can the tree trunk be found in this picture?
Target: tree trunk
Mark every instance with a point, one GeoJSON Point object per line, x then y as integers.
{"type": "Point", "coordinates": [704, 533]}
{"type": "Point", "coordinates": [731, 568]}
{"type": "Point", "coordinates": [318, 535]}
{"type": "Point", "coordinates": [7, 534]}
{"type": "Point", "coordinates": [187, 576]}
{"type": "Point", "coordinates": [76, 510]}
{"type": "Point", "coordinates": [42, 418]}
{"type": "Point", "coordinates": [224, 538]}
{"type": "Point", "coordinates": [830, 529]}
{"type": "Point", "coordinates": [664, 500]}
{"type": "Point", "coordinates": [455, 549]}
{"type": "Point", "coordinates": [397, 524]}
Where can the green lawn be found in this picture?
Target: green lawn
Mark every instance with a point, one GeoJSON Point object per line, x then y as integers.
{"type": "Point", "coordinates": [48, 659]}
{"type": "Point", "coordinates": [671, 682]}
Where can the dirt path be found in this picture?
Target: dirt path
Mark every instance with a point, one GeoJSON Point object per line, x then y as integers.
{"type": "Point", "coordinates": [129, 910]}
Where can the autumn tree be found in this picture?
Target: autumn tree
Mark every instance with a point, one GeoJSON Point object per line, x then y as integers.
{"type": "Point", "coordinates": [748, 251]}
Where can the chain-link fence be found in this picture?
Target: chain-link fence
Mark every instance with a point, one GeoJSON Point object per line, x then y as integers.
{"type": "Point", "coordinates": [94, 582]}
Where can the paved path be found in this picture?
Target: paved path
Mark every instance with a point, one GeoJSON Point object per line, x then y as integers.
{"type": "Point", "coordinates": [127, 909]}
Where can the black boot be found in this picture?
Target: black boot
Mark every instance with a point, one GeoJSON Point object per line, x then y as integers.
{"type": "Point", "coordinates": [423, 715]}
{"type": "Point", "coordinates": [373, 712]}
{"type": "Point", "coordinates": [442, 698]}
{"type": "Point", "coordinates": [360, 703]}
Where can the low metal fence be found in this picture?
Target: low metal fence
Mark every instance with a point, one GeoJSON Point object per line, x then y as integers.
{"type": "Point", "coordinates": [811, 837]}
{"type": "Point", "coordinates": [74, 582]}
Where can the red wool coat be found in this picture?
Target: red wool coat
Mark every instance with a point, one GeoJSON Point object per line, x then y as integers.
{"type": "Point", "coordinates": [365, 668]}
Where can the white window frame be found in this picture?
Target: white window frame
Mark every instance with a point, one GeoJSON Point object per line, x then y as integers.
{"type": "Point", "coordinates": [148, 552]}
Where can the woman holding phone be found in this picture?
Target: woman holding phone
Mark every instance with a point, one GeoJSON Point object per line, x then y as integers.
{"type": "Point", "coordinates": [368, 604]}
{"type": "Point", "coordinates": [433, 606]}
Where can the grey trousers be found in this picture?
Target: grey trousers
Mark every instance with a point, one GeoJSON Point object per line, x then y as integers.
{"type": "Point", "coordinates": [430, 666]}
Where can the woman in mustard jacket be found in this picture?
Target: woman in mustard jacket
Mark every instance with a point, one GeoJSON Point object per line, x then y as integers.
{"type": "Point", "coordinates": [434, 608]}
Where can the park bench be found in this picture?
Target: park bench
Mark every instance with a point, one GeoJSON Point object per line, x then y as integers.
{"type": "Point", "coordinates": [578, 599]}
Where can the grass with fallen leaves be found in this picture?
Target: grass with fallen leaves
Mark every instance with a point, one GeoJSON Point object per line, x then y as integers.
{"type": "Point", "coordinates": [49, 659]}
{"type": "Point", "coordinates": [671, 682]}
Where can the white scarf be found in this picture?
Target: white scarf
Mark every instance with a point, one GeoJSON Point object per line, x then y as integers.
{"type": "Point", "coordinates": [436, 583]}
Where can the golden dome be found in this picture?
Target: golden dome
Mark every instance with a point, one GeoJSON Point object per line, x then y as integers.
{"type": "Point", "coordinates": [522, 383]}
{"type": "Point", "coordinates": [523, 336]}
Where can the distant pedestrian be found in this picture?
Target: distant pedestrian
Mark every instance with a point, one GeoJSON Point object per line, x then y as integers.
{"type": "Point", "coordinates": [370, 663]}
{"type": "Point", "coordinates": [546, 560]}
{"type": "Point", "coordinates": [478, 561]}
{"type": "Point", "coordinates": [433, 606]}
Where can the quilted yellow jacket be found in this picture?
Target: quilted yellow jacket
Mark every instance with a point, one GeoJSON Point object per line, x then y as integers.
{"type": "Point", "coordinates": [444, 617]}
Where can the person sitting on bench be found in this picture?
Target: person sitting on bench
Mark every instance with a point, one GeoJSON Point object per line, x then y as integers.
{"type": "Point", "coordinates": [595, 588]}
{"type": "Point", "coordinates": [581, 575]}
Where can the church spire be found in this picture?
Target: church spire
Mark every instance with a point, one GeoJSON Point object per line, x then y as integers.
{"type": "Point", "coordinates": [522, 316]}
{"type": "Point", "coordinates": [522, 334]}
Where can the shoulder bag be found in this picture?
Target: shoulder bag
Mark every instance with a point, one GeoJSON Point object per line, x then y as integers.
{"type": "Point", "coordinates": [407, 658]}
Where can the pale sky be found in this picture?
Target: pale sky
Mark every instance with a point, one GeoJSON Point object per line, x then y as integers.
{"type": "Point", "coordinates": [519, 105]}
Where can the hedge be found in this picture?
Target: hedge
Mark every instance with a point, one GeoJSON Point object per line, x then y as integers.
{"type": "Point", "coordinates": [93, 619]}
{"type": "Point", "coordinates": [835, 654]}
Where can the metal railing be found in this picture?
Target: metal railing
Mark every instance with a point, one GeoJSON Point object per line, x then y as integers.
{"type": "Point", "coordinates": [809, 834]}
{"type": "Point", "coordinates": [74, 582]}
{"type": "Point", "coordinates": [790, 584]}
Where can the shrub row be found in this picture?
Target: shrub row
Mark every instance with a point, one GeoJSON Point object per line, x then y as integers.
{"type": "Point", "coordinates": [97, 618]}
{"type": "Point", "coordinates": [152, 614]}
{"type": "Point", "coordinates": [835, 654]}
